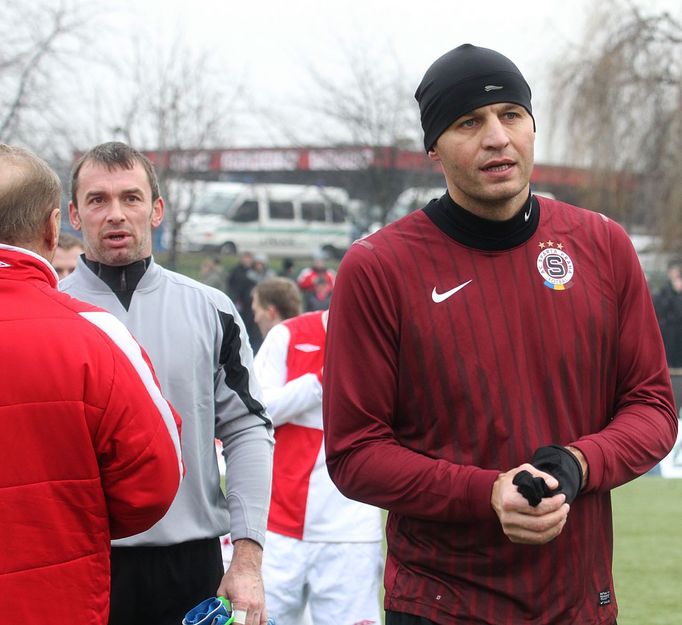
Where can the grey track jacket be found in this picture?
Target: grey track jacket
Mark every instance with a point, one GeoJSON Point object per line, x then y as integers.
{"type": "Point", "coordinates": [199, 348]}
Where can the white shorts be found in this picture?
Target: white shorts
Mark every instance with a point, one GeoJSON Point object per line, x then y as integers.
{"type": "Point", "coordinates": [339, 582]}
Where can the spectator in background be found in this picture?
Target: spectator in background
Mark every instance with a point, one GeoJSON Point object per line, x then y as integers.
{"type": "Point", "coordinates": [240, 283]}
{"type": "Point", "coordinates": [317, 283]}
{"type": "Point", "coordinates": [323, 550]}
{"type": "Point", "coordinates": [260, 270]}
{"type": "Point", "coordinates": [90, 450]}
{"type": "Point", "coordinates": [273, 301]}
{"type": "Point", "coordinates": [211, 273]}
{"type": "Point", "coordinates": [668, 304]}
{"type": "Point", "coordinates": [287, 270]}
{"type": "Point", "coordinates": [196, 339]}
{"type": "Point", "coordinates": [69, 249]}
{"type": "Point", "coordinates": [494, 369]}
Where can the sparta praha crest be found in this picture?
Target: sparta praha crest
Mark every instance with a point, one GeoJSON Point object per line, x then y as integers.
{"type": "Point", "coordinates": [555, 266]}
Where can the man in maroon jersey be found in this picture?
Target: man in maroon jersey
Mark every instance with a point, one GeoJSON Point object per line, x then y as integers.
{"type": "Point", "coordinates": [494, 368]}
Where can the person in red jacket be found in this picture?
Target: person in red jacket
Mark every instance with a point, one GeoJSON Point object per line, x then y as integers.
{"type": "Point", "coordinates": [316, 283]}
{"type": "Point", "coordinates": [89, 448]}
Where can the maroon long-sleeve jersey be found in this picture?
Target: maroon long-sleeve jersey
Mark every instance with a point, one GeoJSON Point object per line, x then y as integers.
{"type": "Point", "coordinates": [455, 348]}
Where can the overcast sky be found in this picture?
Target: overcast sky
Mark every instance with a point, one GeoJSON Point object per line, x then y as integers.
{"type": "Point", "coordinates": [269, 42]}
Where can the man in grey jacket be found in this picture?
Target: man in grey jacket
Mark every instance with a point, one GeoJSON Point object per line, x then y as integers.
{"type": "Point", "coordinates": [199, 347]}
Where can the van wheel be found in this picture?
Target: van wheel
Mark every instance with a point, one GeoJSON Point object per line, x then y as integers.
{"type": "Point", "coordinates": [228, 248]}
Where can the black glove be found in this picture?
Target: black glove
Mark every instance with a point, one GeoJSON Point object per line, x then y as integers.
{"type": "Point", "coordinates": [532, 488]}
{"type": "Point", "coordinates": [564, 466]}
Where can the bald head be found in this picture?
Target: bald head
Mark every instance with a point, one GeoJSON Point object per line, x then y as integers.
{"type": "Point", "coordinates": [30, 193]}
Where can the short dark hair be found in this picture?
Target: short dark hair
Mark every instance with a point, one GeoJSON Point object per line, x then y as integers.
{"type": "Point", "coordinates": [29, 191]}
{"type": "Point", "coordinates": [115, 155]}
{"type": "Point", "coordinates": [281, 293]}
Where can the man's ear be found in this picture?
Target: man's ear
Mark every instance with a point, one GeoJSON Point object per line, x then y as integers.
{"type": "Point", "coordinates": [51, 233]}
{"type": "Point", "coordinates": [433, 154]}
{"type": "Point", "coordinates": [157, 212]}
{"type": "Point", "coordinates": [74, 217]}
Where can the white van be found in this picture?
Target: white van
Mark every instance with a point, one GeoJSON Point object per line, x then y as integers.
{"type": "Point", "coordinates": [412, 199]}
{"type": "Point", "coordinates": [278, 219]}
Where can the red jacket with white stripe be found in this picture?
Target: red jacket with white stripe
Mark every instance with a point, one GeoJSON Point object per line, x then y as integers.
{"type": "Point", "coordinates": [89, 449]}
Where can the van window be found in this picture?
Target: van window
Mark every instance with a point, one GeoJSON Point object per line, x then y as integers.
{"type": "Point", "coordinates": [281, 210]}
{"type": "Point", "coordinates": [246, 211]}
{"type": "Point", "coordinates": [216, 203]}
{"type": "Point", "coordinates": [313, 211]}
{"type": "Point", "coordinates": [338, 214]}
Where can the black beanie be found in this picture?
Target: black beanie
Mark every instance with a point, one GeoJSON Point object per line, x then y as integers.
{"type": "Point", "coordinates": [465, 79]}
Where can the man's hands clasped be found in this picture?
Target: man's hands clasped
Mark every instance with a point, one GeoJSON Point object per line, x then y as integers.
{"type": "Point", "coordinates": [532, 501]}
{"type": "Point", "coordinates": [521, 522]}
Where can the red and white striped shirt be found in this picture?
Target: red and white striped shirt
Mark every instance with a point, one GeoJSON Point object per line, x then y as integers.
{"type": "Point", "coordinates": [305, 503]}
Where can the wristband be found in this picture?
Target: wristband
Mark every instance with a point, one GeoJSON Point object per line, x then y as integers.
{"type": "Point", "coordinates": [564, 466]}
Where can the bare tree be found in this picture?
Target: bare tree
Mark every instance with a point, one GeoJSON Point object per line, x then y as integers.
{"type": "Point", "coordinates": [618, 109]}
{"type": "Point", "coordinates": [179, 104]}
{"type": "Point", "coordinates": [38, 43]}
{"type": "Point", "coordinates": [363, 98]}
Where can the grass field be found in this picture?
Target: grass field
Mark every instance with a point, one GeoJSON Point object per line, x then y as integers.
{"type": "Point", "coordinates": [648, 551]}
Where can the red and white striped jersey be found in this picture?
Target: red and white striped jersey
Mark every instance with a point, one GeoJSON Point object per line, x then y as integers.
{"type": "Point", "coordinates": [305, 503]}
